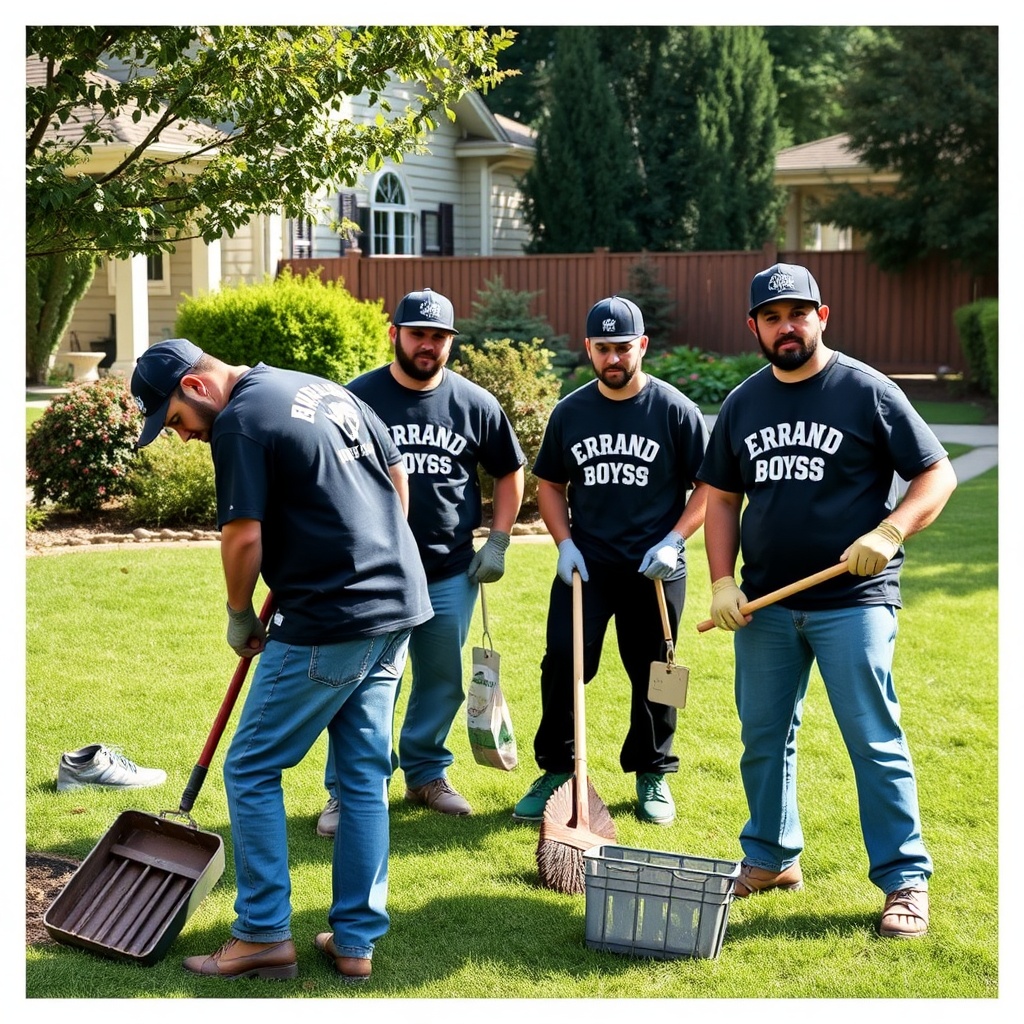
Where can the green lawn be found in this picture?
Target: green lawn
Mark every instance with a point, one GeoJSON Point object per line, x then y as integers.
{"type": "Point", "coordinates": [127, 647]}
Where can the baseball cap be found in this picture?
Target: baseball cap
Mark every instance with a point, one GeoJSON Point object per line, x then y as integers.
{"type": "Point", "coordinates": [157, 374]}
{"type": "Point", "coordinates": [616, 319]}
{"type": "Point", "coordinates": [783, 281]}
{"type": "Point", "coordinates": [425, 309]}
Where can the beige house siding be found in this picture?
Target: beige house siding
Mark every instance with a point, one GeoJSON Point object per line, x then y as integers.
{"type": "Point", "coordinates": [510, 230]}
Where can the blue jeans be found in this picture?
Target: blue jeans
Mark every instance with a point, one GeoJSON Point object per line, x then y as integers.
{"type": "Point", "coordinates": [349, 689]}
{"type": "Point", "coordinates": [437, 691]}
{"type": "Point", "coordinates": [854, 649]}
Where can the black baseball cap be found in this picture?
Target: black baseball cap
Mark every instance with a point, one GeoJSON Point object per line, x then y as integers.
{"type": "Point", "coordinates": [425, 309]}
{"type": "Point", "coordinates": [783, 281]}
{"type": "Point", "coordinates": [155, 379]}
{"type": "Point", "coordinates": [615, 319]}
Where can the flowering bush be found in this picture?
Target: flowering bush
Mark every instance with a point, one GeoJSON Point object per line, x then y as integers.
{"type": "Point", "coordinates": [704, 377]}
{"type": "Point", "coordinates": [172, 484]}
{"type": "Point", "coordinates": [78, 452]}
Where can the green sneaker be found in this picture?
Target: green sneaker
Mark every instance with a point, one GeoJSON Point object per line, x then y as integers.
{"type": "Point", "coordinates": [531, 807]}
{"type": "Point", "coordinates": [654, 800]}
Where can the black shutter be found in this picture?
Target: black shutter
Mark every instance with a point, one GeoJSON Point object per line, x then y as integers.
{"type": "Point", "coordinates": [447, 214]}
{"type": "Point", "coordinates": [347, 211]}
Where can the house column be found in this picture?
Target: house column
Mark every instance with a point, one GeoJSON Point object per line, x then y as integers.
{"type": "Point", "coordinates": [486, 234]}
{"type": "Point", "coordinates": [131, 307]}
{"type": "Point", "coordinates": [206, 267]}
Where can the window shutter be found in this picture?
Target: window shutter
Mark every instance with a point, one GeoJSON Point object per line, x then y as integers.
{"type": "Point", "coordinates": [347, 211]}
{"type": "Point", "coordinates": [362, 218]}
{"type": "Point", "coordinates": [447, 215]}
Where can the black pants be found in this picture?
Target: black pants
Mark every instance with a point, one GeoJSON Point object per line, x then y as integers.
{"type": "Point", "coordinates": [628, 597]}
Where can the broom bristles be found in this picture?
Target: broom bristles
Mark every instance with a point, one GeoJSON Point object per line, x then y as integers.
{"type": "Point", "coordinates": [563, 839]}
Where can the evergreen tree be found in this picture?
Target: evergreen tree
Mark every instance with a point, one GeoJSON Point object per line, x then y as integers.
{"type": "Point", "coordinates": [924, 102]}
{"type": "Point", "coordinates": [583, 187]}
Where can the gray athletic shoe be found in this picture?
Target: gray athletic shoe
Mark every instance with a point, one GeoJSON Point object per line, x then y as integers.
{"type": "Point", "coordinates": [97, 765]}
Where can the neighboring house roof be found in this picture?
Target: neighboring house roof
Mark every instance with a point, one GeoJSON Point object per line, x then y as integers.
{"type": "Point", "coordinates": [825, 161]}
{"type": "Point", "coordinates": [127, 133]}
{"type": "Point", "coordinates": [487, 134]}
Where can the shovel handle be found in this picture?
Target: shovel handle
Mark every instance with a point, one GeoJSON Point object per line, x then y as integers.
{"type": "Point", "coordinates": [783, 592]}
{"type": "Point", "coordinates": [578, 712]}
{"type": "Point", "coordinates": [198, 776]}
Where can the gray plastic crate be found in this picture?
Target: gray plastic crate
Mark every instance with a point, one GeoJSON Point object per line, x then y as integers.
{"type": "Point", "coordinates": [657, 904]}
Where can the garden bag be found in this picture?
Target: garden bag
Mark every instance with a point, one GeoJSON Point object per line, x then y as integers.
{"type": "Point", "coordinates": [491, 736]}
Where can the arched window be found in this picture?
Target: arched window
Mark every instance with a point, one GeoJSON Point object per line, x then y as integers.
{"type": "Point", "coordinates": [394, 224]}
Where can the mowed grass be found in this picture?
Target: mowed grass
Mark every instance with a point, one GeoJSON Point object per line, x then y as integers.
{"type": "Point", "coordinates": [127, 647]}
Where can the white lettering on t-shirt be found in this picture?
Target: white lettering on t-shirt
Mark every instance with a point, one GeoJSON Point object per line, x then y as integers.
{"type": "Point", "coordinates": [794, 435]}
{"type": "Point", "coordinates": [636, 445]}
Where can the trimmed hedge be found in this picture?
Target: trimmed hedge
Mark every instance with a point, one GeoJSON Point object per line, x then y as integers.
{"type": "Point", "coordinates": [977, 324]}
{"type": "Point", "coordinates": [297, 323]}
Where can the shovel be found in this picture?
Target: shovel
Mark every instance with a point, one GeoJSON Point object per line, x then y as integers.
{"type": "Point", "coordinates": [132, 895]}
{"type": "Point", "coordinates": [668, 680]}
{"type": "Point", "coordinates": [783, 592]}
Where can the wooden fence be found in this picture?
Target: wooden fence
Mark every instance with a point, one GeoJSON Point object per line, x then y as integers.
{"type": "Point", "coordinates": [899, 323]}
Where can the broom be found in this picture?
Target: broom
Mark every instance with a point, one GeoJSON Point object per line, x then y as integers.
{"type": "Point", "coordinates": [575, 819]}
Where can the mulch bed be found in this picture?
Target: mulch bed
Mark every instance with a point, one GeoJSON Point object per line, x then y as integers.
{"type": "Point", "coordinates": [45, 876]}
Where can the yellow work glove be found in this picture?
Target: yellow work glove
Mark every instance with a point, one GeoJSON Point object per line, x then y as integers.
{"type": "Point", "coordinates": [726, 599]}
{"type": "Point", "coordinates": [871, 553]}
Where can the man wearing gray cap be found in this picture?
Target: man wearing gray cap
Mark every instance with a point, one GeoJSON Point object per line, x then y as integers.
{"type": "Point", "coordinates": [813, 442]}
{"type": "Point", "coordinates": [311, 495]}
{"type": "Point", "coordinates": [617, 468]}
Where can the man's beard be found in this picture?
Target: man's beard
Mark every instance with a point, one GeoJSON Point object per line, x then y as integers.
{"type": "Point", "coordinates": [616, 383]}
{"type": "Point", "coordinates": [204, 412]}
{"type": "Point", "coordinates": [408, 365]}
{"type": "Point", "coordinates": [792, 360]}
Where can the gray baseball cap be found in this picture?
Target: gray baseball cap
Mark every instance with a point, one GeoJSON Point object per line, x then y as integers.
{"type": "Point", "coordinates": [783, 281]}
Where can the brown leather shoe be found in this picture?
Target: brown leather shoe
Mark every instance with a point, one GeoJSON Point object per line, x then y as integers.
{"type": "Point", "coordinates": [274, 961]}
{"type": "Point", "coordinates": [439, 795]}
{"type": "Point", "coordinates": [753, 880]}
{"type": "Point", "coordinates": [351, 969]}
{"type": "Point", "coordinates": [905, 914]}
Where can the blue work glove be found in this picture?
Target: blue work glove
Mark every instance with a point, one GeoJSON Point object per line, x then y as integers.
{"type": "Point", "coordinates": [488, 564]}
{"type": "Point", "coordinates": [242, 627]}
{"type": "Point", "coordinates": [660, 561]}
{"type": "Point", "coordinates": [569, 558]}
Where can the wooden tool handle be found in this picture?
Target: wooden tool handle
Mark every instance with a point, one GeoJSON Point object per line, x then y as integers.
{"type": "Point", "coordinates": [659, 589]}
{"type": "Point", "coordinates": [578, 712]}
{"type": "Point", "coordinates": [783, 592]}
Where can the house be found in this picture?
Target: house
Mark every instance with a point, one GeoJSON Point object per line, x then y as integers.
{"type": "Point", "coordinates": [458, 197]}
{"type": "Point", "coordinates": [810, 173]}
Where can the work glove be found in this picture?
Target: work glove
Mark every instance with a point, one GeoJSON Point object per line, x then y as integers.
{"type": "Point", "coordinates": [569, 558]}
{"type": "Point", "coordinates": [871, 553]}
{"type": "Point", "coordinates": [488, 564]}
{"type": "Point", "coordinates": [660, 561]}
{"type": "Point", "coordinates": [242, 627]}
{"type": "Point", "coordinates": [726, 599]}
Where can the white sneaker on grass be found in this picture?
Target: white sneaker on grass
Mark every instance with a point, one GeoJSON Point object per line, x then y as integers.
{"type": "Point", "coordinates": [98, 765]}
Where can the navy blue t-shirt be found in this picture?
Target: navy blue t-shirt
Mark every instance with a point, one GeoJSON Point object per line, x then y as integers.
{"type": "Point", "coordinates": [817, 461]}
{"type": "Point", "coordinates": [310, 462]}
{"type": "Point", "coordinates": [443, 433]}
{"type": "Point", "coordinates": [628, 463]}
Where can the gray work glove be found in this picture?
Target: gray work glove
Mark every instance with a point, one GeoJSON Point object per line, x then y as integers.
{"type": "Point", "coordinates": [488, 565]}
{"type": "Point", "coordinates": [242, 627]}
{"type": "Point", "coordinates": [569, 558]}
{"type": "Point", "coordinates": [660, 561]}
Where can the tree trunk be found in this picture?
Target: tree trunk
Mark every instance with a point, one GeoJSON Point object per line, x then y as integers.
{"type": "Point", "coordinates": [53, 287]}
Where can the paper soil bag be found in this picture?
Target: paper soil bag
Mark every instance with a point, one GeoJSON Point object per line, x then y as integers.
{"type": "Point", "coordinates": [491, 736]}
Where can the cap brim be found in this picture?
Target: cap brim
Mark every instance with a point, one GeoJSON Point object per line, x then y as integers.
{"type": "Point", "coordinates": [618, 339]}
{"type": "Point", "coordinates": [428, 323]}
{"type": "Point", "coordinates": [153, 425]}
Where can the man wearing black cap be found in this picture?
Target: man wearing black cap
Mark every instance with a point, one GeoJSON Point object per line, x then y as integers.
{"type": "Point", "coordinates": [618, 458]}
{"type": "Point", "coordinates": [310, 495]}
{"type": "Point", "coordinates": [446, 427]}
{"type": "Point", "coordinates": [814, 442]}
